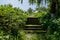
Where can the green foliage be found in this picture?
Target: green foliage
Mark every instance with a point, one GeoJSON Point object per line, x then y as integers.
{"type": "Point", "coordinates": [52, 25]}
{"type": "Point", "coordinates": [42, 9]}
{"type": "Point", "coordinates": [30, 10]}
{"type": "Point", "coordinates": [11, 18]}
{"type": "Point", "coordinates": [40, 14]}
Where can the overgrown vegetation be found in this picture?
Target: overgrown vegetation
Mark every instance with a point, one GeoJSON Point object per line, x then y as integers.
{"type": "Point", "coordinates": [12, 21]}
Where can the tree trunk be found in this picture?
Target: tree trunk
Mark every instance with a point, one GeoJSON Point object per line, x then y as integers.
{"type": "Point", "coordinates": [55, 8]}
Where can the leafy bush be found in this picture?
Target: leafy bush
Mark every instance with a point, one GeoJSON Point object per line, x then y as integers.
{"type": "Point", "coordinates": [12, 19]}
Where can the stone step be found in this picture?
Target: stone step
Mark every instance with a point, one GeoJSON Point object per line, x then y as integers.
{"type": "Point", "coordinates": [32, 25]}
{"type": "Point", "coordinates": [36, 31]}
{"type": "Point", "coordinates": [32, 20]}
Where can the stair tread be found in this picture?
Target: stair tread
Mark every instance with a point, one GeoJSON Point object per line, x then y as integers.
{"type": "Point", "coordinates": [35, 31]}
{"type": "Point", "coordinates": [33, 28]}
{"type": "Point", "coordinates": [32, 25]}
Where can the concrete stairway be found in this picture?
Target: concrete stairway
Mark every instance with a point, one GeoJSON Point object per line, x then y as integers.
{"type": "Point", "coordinates": [33, 26]}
